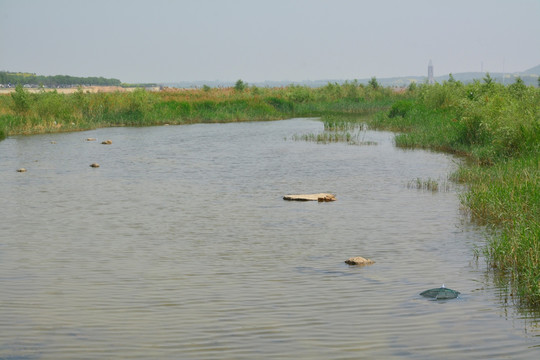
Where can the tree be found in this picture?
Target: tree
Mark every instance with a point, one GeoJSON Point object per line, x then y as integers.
{"type": "Point", "coordinates": [488, 80]}
{"type": "Point", "coordinates": [373, 83]}
{"type": "Point", "coordinates": [21, 99]}
{"type": "Point", "coordinates": [518, 87]}
{"type": "Point", "coordinates": [240, 86]}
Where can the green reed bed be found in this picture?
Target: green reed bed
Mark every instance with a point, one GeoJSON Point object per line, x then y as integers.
{"type": "Point", "coordinates": [22, 112]}
{"type": "Point", "coordinates": [497, 128]}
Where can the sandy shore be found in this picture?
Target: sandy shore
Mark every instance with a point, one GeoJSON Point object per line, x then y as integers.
{"type": "Point", "coordinates": [91, 89]}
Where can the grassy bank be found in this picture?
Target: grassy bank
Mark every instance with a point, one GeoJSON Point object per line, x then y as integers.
{"type": "Point", "coordinates": [22, 112]}
{"type": "Point", "coordinates": [498, 129]}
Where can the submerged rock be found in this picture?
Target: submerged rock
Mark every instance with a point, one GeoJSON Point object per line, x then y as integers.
{"type": "Point", "coordinates": [321, 197]}
{"type": "Point", "coordinates": [440, 293]}
{"type": "Point", "coordinates": [21, 170]}
{"type": "Point", "coordinates": [91, 139]}
{"type": "Point", "coordinates": [107, 142]}
{"type": "Point", "coordinates": [94, 165]}
{"type": "Point", "coordinates": [358, 260]}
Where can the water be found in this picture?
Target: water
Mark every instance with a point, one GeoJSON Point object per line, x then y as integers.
{"type": "Point", "coordinates": [180, 247]}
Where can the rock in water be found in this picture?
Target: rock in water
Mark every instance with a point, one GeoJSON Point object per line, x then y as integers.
{"type": "Point", "coordinates": [94, 165]}
{"type": "Point", "coordinates": [21, 170]}
{"type": "Point", "coordinates": [440, 293]}
{"type": "Point", "coordinates": [107, 142]}
{"type": "Point", "coordinates": [321, 197]}
{"type": "Point", "coordinates": [358, 260]}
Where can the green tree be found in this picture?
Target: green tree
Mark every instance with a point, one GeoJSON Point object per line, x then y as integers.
{"type": "Point", "coordinates": [517, 88]}
{"type": "Point", "coordinates": [488, 80]}
{"type": "Point", "coordinates": [240, 86]}
{"type": "Point", "coordinates": [373, 83]}
{"type": "Point", "coordinates": [21, 99]}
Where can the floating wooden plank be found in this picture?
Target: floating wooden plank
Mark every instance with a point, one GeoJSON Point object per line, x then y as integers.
{"type": "Point", "coordinates": [311, 197]}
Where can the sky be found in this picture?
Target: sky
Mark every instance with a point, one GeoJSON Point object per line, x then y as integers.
{"type": "Point", "coordinates": [162, 41]}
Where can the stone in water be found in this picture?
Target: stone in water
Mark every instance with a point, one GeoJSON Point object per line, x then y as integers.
{"type": "Point", "coordinates": [358, 260]}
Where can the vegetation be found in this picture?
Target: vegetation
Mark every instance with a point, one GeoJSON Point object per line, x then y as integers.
{"type": "Point", "coordinates": [498, 129]}
{"type": "Point", "coordinates": [23, 112]}
{"type": "Point", "coordinates": [338, 129]}
{"type": "Point", "coordinates": [428, 185]}
{"type": "Point", "coordinates": [53, 81]}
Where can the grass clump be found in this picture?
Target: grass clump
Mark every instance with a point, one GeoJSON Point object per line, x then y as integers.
{"type": "Point", "coordinates": [428, 184]}
{"type": "Point", "coordinates": [351, 130]}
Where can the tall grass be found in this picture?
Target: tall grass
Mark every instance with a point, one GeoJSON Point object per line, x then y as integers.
{"type": "Point", "coordinates": [29, 113]}
{"type": "Point", "coordinates": [498, 129]}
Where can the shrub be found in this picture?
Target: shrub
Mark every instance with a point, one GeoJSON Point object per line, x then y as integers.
{"type": "Point", "coordinates": [21, 100]}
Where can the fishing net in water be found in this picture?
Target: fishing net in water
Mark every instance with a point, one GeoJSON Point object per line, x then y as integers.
{"type": "Point", "coordinates": [440, 293]}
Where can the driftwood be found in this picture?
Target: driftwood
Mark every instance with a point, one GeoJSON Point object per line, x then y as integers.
{"type": "Point", "coordinates": [311, 197]}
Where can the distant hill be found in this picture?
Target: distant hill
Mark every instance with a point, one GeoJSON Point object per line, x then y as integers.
{"type": "Point", "coordinates": [529, 77]}
{"type": "Point", "coordinates": [533, 71]}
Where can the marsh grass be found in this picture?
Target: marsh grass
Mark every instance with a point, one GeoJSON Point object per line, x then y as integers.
{"type": "Point", "coordinates": [22, 112]}
{"type": "Point", "coordinates": [338, 129]}
{"type": "Point", "coordinates": [497, 129]}
{"type": "Point", "coordinates": [429, 184]}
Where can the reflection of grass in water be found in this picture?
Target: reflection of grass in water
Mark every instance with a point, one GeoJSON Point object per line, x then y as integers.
{"type": "Point", "coordinates": [428, 184]}
{"type": "Point", "coordinates": [337, 129]}
{"type": "Point", "coordinates": [327, 137]}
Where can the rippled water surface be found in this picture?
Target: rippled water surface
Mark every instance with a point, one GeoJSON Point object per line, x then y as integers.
{"type": "Point", "coordinates": [180, 246]}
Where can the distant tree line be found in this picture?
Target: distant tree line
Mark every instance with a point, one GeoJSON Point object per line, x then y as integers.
{"type": "Point", "coordinates": [53, 81]}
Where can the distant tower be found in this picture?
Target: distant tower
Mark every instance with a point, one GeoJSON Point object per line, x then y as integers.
{"type": "Point", "coordinates": [430, 78]}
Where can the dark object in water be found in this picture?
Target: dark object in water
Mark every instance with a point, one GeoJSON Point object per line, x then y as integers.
{"type": "Point", "coordinates": [322, 197]}
{"type": "Point", "coordinates": [440, 293]}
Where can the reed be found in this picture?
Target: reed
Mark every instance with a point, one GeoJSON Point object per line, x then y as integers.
{"type": "Point", "coordinates": [339, 128]}
{"type": "Point", "coordinates": [30, 113]}
{"type": "Point", "coordinates": [428, 184]}
{"type": "Point", "coordinates": [497, 129]}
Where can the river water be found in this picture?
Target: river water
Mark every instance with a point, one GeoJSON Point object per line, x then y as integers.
{"type": "Point", "coordinates": [180, 246]}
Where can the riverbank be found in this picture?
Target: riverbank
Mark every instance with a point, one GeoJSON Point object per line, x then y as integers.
{"type": "Point", "coordinates": [24, 113]}
{"type": "Point", "coordinates": [497, 128]}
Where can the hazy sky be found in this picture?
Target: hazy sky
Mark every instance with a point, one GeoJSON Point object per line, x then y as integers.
{"type": "Point", "coordinates": [257, 40]}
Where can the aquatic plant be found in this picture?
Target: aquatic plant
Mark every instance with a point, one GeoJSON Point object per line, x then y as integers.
{"type": "Point", "coordinates": [339, 129]}
{"type": "Point", "coordinates": [427, 184]}
{"type": "Point", "coordinates": [498, 129]}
